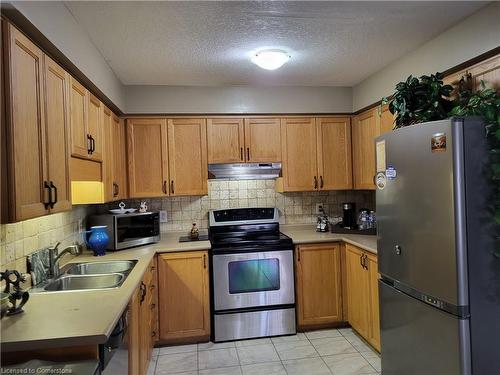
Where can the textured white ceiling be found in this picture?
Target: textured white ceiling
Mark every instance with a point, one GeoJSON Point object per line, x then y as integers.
{"type": "Point", "coordinates": [209, 43]}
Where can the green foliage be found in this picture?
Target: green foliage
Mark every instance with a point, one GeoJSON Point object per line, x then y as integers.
{"type": "Point", "coordinates": [421, 99]}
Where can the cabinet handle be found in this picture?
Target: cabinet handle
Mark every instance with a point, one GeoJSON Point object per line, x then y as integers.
{"type": "Point", "coordinates": [89, 145]}
{"type": "Point", "coordinates": [153, 334]}
{"type": "Point", "coordinates": [49, 203]}
{"type": "Point", "coordinates": [152, 287]}
{"type": "Point", "coordinates": [143, 292]}
{"type": "Point", "coordinates": [241, 153]}
{"type": "Point", "coordinates": [164, 187]}
{"type": "Point", "coordinates": [93, 143]}
{"type": "Point", "coordinates": [172, 187]}
{"type": "Point", "coordinates": [204, 260]}
{"type": "Point", "coordinates": [52, 186]}
{"type": "Point", "coordinates": [152, 268]}
{"type": "Point", "coordinates": [298, 255]}
{"type": "Point", "coordinates": [153, 306]}
{"type": "Point", "coordinates": [248, 153]}
{"type": "Point", "coordinates": [315, 181]}
{"type": "Point", "coordinates": [361, 259]}
{"type": "Point", "coordinates": [321, 182]}
{"type": "Point", "coordinates": [116, 189]}
{"type": "Point", "coordinates": [366, 262]}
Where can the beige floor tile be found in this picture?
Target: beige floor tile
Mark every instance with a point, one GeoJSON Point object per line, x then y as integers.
{"type": "Point", "coordinates": [251, 342]}
{"type": "Point", "coordinates": [373, 359]}
{"type": "Point", "coordinates": [212, 345]}
{"type": "Point", "coordinates": [295, 350]}
{"type": "Point", "coordinates": [274, 368]}
{"type": "Point", "coordinates": [175, 349]}
{"type": "Point", "coordinates": [332, 345]}
{"type": "Point", "coordinates": [322, 333]}
{"type": "Point", "coordinates": [233, 370]}
{"type": "Point", "coordinates": [309, 366]}
{"type": "Point", "coordinates": [209, 359]}
{"type": "Point", "coordinates": [349, 364]}
{"type": "Point", "coordinates": [152, 366]}
{"type": "Point", "coordinates": [173, 363]}
{"type": "Point", "coordinates": [257, 354]}
{"type": "Point", "coordinates": [359, 343]}
{"type": "Point", "coordinates": [298, 337]}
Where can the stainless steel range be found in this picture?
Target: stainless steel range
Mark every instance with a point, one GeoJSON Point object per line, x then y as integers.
{"type": "Point", "coordinates": [252, 275]}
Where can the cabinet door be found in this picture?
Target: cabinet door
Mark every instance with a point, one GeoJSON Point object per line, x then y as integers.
{"type": "Point", "coordinates": [119, 159]}
{"type": "Point", "coordinates": [26, 128]}
{"type": "Point", "coordinates": [487, 71]}
{"type": "Point", "coordinates": [134, 333]}
{"type": "Point", "coordinates": [364, 130]}
{"type": "Point", "coordinates": [95, 127]}
{"type": "Point", "coordinates": [262, 140]}
{"type": "Point", "coordinates": [225, 140]}
{"type": "Point", "coordinates": [187, 156]}
{"type": "Point", "coordinates": [108, 155]}
{"type": "Point", "coordinates": [57, 133]}
{"type": "Point", "coordinates": [386, 119]}
{"type": "Point", "coordinates": [334, 153]}
{"type": "Point", "coordinates": [298, 140]}
{"type": "Point", "coordinates": [183, 299]}
{"type": "Point", "coordinates": [145, 332]}
{"type": "Point", "coordinates": [374, 337]}
{"type": "Point", "coordinates": [319, 291]}
{"type": "Point", "coordinates": [78, 119]}
{"type": "Point", "coordinates": [358, 294]}
{"type": "Point", "coordinates": [147, 157]}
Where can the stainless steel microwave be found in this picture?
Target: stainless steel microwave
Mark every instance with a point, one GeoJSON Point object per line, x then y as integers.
{"type": "Point", "coordinates": [129, 230]}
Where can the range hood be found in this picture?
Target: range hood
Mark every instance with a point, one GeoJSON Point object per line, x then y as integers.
{"type": "Point", "coordinates": [247, 171]}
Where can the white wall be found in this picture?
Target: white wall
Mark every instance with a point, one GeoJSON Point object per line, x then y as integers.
{"type": "Point", "coordinates": [473, 36]}
{"type": "Point", "coordinates": [56, 22]}
{"type": "Point", "coordinates": [237, 99]}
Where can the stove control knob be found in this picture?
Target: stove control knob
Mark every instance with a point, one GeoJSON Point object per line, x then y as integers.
{"type": "Point", "coordinates": [397, 249]}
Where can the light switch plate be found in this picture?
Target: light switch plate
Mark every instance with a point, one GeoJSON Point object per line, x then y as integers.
{"type": "Point", "coordinates": [163, 216]}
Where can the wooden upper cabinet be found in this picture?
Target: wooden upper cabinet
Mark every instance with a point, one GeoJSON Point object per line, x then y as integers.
{"type": "Point", "coordinates": [183, 298]}
{"type": "Point", "coordinates": [225, 140]}
{"type": "Point", "coordinates": [95, 128]}
{"type": "Point", "coordinates": [78, 119]}
{"type": "Point", "coordinates": [334, 153]}
{"type": "Point", "coordinates": [298, 141]}
{"type": "Point", "coordinates": [365, 128]}
{"type": "Point", "coordinates": [57, 83]}
{"type": "Point", "coordinates": [25, 128]}
{"type": "Point", "coordinates": [358, 293]}
{"type": "Point", "coordinates": [187, 156]}
{"type": "Point", "coordinates": [386, 119]}
{"type": "Point", "coordinates": [108, 155]}
{"type": "Point", "coordinates": [262, 140]}
{"type": "Point", "coordinates": [319, 292]}
{"type": "Point", "coordinates": [147, 157]}
{"type": "Point", "coordinates": [119, 159]}
{"type": "Point", "coordinates": [487, 71]}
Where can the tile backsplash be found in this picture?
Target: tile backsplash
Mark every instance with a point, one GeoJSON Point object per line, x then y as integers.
{"type": "Point", "coordinates": [295, 208]}
{"type": "Point", "coordinates": [20, 239]}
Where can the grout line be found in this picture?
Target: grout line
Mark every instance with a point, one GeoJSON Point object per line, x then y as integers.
{"type": "Point", "coordinates": [281, 361]}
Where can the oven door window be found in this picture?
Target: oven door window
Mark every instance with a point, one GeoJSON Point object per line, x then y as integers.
{"type": "Point", "coordinates": [257, 275]}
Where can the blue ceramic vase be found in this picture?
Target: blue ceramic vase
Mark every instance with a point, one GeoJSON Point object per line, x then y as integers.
{"type": "Point", "coordinates": [98, 239]}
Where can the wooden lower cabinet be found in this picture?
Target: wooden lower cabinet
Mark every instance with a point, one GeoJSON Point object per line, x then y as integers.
{"type": "Point", "coordinates": [183, 297]}
{"type": "Point", "coordinates": [318, 283]}
{"type": "Point", "coordinates": [142, 323]}
{"type": "Point", "coordinates": [361, 275]}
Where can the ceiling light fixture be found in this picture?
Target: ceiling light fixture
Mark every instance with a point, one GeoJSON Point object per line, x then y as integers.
{"type": "Point", "coordinates": [270, 59]}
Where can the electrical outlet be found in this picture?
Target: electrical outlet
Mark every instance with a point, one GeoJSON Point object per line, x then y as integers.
{"type": "Point", "coordinates": [163, 216]}
{"type": "Point", "coordinates": [319, 208]}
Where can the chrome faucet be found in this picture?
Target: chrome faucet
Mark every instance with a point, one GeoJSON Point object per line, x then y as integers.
{"type": "Point", "coordinates": [54, 258]}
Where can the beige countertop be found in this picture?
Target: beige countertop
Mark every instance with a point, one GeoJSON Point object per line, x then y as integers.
{"type": "Point", "coordinates": [59, 319]}
{"type": "Point", "coordinates": [303, 234]}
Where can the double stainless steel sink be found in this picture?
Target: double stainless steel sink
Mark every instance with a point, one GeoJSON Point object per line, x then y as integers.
{"type": "Point", "coordinates": [89, 276]}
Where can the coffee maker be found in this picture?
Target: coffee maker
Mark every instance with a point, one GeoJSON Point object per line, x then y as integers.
{"type": "Point", "coordinates": [349, 219]}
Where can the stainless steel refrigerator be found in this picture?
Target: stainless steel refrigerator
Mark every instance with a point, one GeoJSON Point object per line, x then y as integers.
{"type": "Point", "coordinates": [440, 281]}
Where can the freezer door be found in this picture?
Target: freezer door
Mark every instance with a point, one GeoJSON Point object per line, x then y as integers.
{"type": "Point", "coordinates": [420, 208]}
{"type": "Point", "coordinates": [418, 339]}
